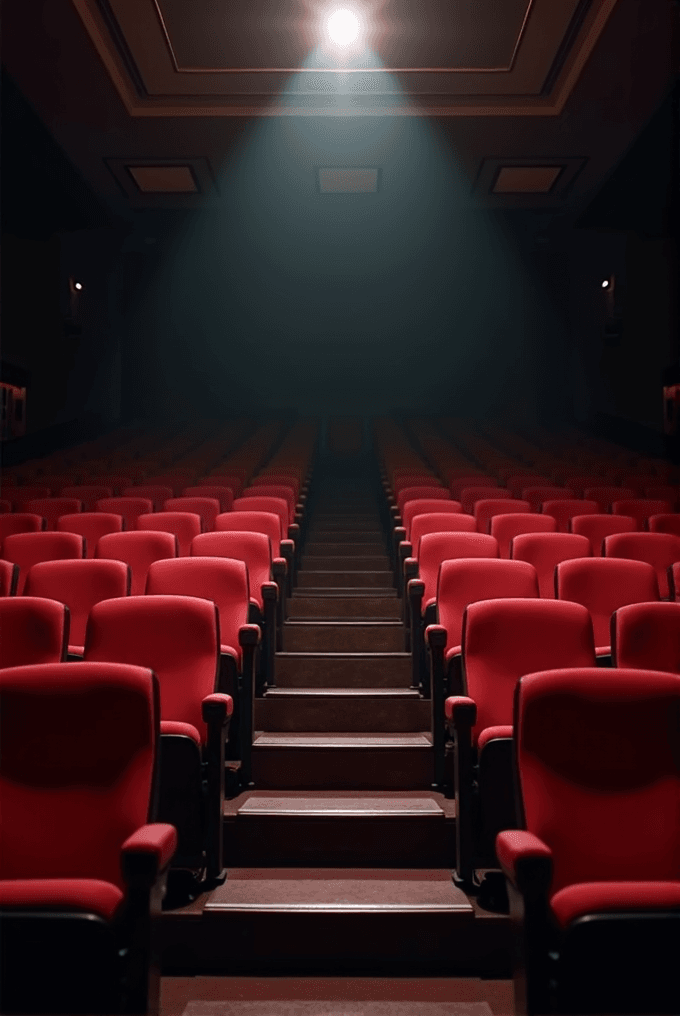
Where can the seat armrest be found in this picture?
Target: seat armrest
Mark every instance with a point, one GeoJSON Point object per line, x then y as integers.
{"type": "Point", "coordinates": [460, 711]}
{"type": "Point", "coordinates": [526, 860]}
{"type": "Point", "coordinates": [217, 707]}
{"type": "Point", "coordinates": [279, 566]}
{"type": "Point", "coordinates": [249, 635]}
{"type": "Point", "coordinates": [436, 636]}
{"type": "Point", "coordinates": [294, 532]}
{"type": "Point", "coordinates": [270, 591]}
{"type": "Point", "coordinates": [148, 851]}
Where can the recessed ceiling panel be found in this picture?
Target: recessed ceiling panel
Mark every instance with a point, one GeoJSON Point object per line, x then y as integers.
{"type": "Point", "coordinates": [164, 179]}
{"type": "Point", "coordinates": [472, 34]}
{"type": "Point", "coordinates": [526, 179]}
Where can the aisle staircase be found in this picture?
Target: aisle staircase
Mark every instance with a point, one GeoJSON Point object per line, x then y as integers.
{"type": "Point", "coordinates": [340, 858]}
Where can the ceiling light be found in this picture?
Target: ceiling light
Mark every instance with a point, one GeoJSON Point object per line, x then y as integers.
{"type": "Point", "coordinates": [343, 27]}
{"type": "Point", "coordinates": [605, 283]}
{"type": "Point", "coordinates": [77, 285]}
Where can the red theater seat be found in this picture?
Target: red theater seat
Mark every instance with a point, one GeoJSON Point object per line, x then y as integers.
{"type": "Point", "coordinates": [545, 551]}
{"type": "Point", "coordinates": [461, 483]}
{"type": "Point", "coordinates": [130, 508]}
{"type": "Point", "coordinates": [504, 527]}
{"type": "Point", "coordinates": [88, 494]}
{"type": "Point", "coordinates": [640, 509]}
{"type": "Point", "coordinates": [605, 496]}
{"type": "Point", "coordinates": [9, 578]}
{"type": "Point", "coordinates": [184, 525]}
{"type": "Point", "coordinates": [429, 522]}
{"type": "Point", "coordinates": [663, 523]}
{"type": "Point", "coordinates": [27, 549]}
{"type": "Point", "coordinates": [82, 859]}
{"type": "Point", "coordinates": [660, 549]}
{"type": "Point", "coordinates": [647, 635]}
{"type": "Point", "coordinates": [20, 522]}
{"type": "Point", "coordinates": [249, 519]}
{"type": "Point", "coordinates": [157, 493]}
{"type": "Point", "coordinates": [222, 495]}
{"type": "Point", "coordinates": [32, 630]}
{"type": "Point", "coordinates": [502, 640]}
{"type": "Point", "coordinates": [208, 508]}
{"type": "Point", "coordinates": [536, 494]}
{"type": "Point", "coordinates": [79, 585]}
{"type": "Point", "coordinates": [178, 638]}
{"type": "Point", "coordinates": [564, 509]}
{"type": "Point", "coordinates": [138, 550]}
{"type": "Point", "coordinates": [91, 525]}
{"type": "Point", "coordinates": [471, 495]}
{"type": "Point", "coordinates": [22, 495]}
{"type": "Point", "coordinates": [603, 584]}
{"type": "Point", "coordinates": [597, 900]}
{"type": "Point", "coordinates": [598, 526]}
{"type": "Point", "coordinates": [487, 508]}
{"type": "Point", "coordinates": [51, 508]}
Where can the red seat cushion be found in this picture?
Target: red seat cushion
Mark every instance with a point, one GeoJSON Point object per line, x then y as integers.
{"type": "Point", "coordinates": [596, 897]}
{"type": "Point", "coordinates": [87, 894]}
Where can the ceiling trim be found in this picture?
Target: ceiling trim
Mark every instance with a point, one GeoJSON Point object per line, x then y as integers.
{"type": "Point", "coordinates": [268, 105]}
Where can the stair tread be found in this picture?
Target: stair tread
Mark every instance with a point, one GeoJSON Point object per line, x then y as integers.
{"type": "Point", "coordinates": [407, 693]}
{"type": "Point", "coordinates": [332, 805]}
{"type": "Point", "coordinates": [273, 739]}
{"type": "Point", "coordinates": [321, 894]}
{"type": "Point", "coordinates": [318, 654]}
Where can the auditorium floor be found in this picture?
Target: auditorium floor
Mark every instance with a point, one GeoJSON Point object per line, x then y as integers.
{"type": "Point", "coordinates": [178, 992]}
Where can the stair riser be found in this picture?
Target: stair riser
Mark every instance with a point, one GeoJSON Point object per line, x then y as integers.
{"type": "Point", "coordinates": [344, 607]}
{"type": "Point", "coordinates": [336, 672]}
{"type": "Point", "coordinates": [342, 768]}
{"type": "Point", "coordinates": [328, 842]}
{"type": "Point", "coordinates": [327, 638]}
{"type": "Point", "coordinates": [362, 715]}
{"type": "Point", "coordinates": [345, 549]}
{"type": "Point", "coordinates": [343, 579]}
{"type": "Point", "coordinates": [344, 535]}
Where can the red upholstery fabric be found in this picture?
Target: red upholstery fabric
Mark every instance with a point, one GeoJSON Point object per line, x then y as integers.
{"type": "Point", "coordinates": [661, 550]}
{"type": "Point", "coordinates": [426, 506]}
{"type": "Point", "coordinates": [223, 495]}
{"type": "Point", "coordinates": [231, 481]}
{"type": "Point", "coordinates": [158, 839]}
{"type": "Point", "coordinates": [50, 508]}
{"type": "Point", "coordinates": [183, 525]}
{"type": "Point", "coordinates": [69, 807]}
{"type": "Point", "coordinates": [274, 505]}
{"type": "Point", "coordinates": [564, 509]}
{"type": "Point", "coordinates": [517, 482]}
{"type": "Point", "coordinates": [252, 522]}
{"type": "Point", "coordinates": [9, 578]}
{"type": "Point", "coordinates": [138, 550]}
{"type": "Point", "coordinates": [78, 584]}
{"type": "Point", "coordinates": [222, 580]}
{"type": "Point", "coordinates": [605, 496]}
{"type": "Point", "coordinates": [601, 746]}
{"type": "Point", "coordinates": [603, 585]}
{"type": "Point", "coordinates": [433, 548]}
{"type": "Point", "coordinates": [172, 727]}
{"type": "Point", "coordinates": [278, 479]}
{"type": "Point", "coordinates": [493, 734]}
{"type": "Point", "coordinates": [91, 525]}
{"type": "Point", "coordinates": [537, 494]}
{"type": "Point", "coordinates": [487, 508]}
{"type": "Point", "coordinates": [597, 526]}
{"type": "Point", "coordinates": [647, 635]}
{"type": "Point", "coordinates": [663, 523]}
{"type": "Point", "coordinates": [208, 508]}
{"type": "Point", "coordinates": [176, 481]}
{"type": "Point", "coordinates": [461, 483]}
{"type": "Point", "coordinates": [641, 508]}
{"type": "Point", "coordinates": [87, 894]}
{"type": "Point", "coordinates": [32, 630]}
{"type": "Point", "coordinates": [5, 505]}
{"type": "Point", "coordinates": [545, 551]}
{"type": "Point", "coordinates": [440, 522]}
{"type": "Point", "coordinates": [504, 527]}
{"type": "Point", "coordinates": [115, 481]}
{"type": "Point", "coordinates": [88, 494]}
{"type": "Point", "coordinates": [20, 522]}
{"type": "Point", "coordinates": [433, 492]}
{"type": "Point", "coordinates": [274, 490]}
{"type": "Point", "coordinates": [505, 638]}
{"type": "Point", "coordinates": [467, 580]}
{"type": "Point", "coordinates": [410, 481]}
{"type": "Point", "coordinates": [27, 549]}
{"type": "Point", "coordinates": [22, 495]}
{"type": "Point", "coordinates": [176, 636]}
{"type": "Point", "coordinates": [513, 845]}
{"type": "Point", "coordinates": [129, 507]}
{"type": "Point", "coordinates": [252, 548]}
{"type": "Point", "coordinates": [470, 495]}
{"type": "Point", "coordinates": [606, 897]}
{"type": "Point", "coordinates": [157, 493]}
{"type": "Point", "coordinates": [664, 492]}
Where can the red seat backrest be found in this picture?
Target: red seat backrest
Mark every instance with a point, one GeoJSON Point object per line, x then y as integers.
{"type": "Point", "coordinates": [176, 636]}
{"type": "Point", "coordinates": [432, 492]}
{"type": "Point", "coordinates": [470, 495]}
{"type": "Point", "coordinates": [223, 495]}
{"type": "Point", "coordinates": [440, 522]}
{"type": "Point", "coordinates": [276, 505]}
{"type": "Point", "coordinates": [564, 509]}
{"type": "Point", "coordinates": [130, 508]}
{"type": "Point", "coordinates": [487, 508]}
{"type": "Point", "coordinates": [663, 523]}
{"type": "Point", "coordinates": [91, 525]}
{"type": "Point", "coordinates": [423, 506]}
{"type": "Point", "coordinates": [88, 494]}
{"type": "Point", "coordinates": [461, 483]}
{"type": "Point", "coordinates": [603, 584]}
{"type": "Point", "coordinates": [433, 548]}
{"type": "Point", "coordinates": [640, 508]}
{"type": "Point", "coordinates": [183, 525]}
{"type": "Point", "coordinates": [32, 630]}
{"type": "Point", "coordinates": [9, 578]}
{"type": "Point", "coordinates": [503, 639]}
{"type": "Point", "coordinates": [545, 551]}
{"type": "Point", "coordinates": [156, 493]}
{"type": "Point", "coordinates": [599, 525]}
{"type": "Point", "coordinates": [78, 584]}
{"type": "Point", "coordinates": [505, 527]}
{"type": "Point", "coordinates": [661, 550]}
{"type": "Point", "coordinates": [208, 508]}
{"type": "Point", "coordinates": [273, 490]}
{"type": "Point", "coordinates": [20, 522]}
{"type": "Point", "coordinates": [50, 508]}
{"type": "Point", "coordinates": [252, 522]}
{"type": "Point", "coordinates": [647, 635]}
{"type": "Point", "coordinates": [138, 550]}
{"type": "Point", "coordinates": [467, 580]}
{"type": "Point", "coordinates": [605, 496]}
{"type": "Point", "coordinates": [27, 549]}
{"type": "Point", "coordinates": [252, 548]}
{"type": "Point", "coordinates": [536, 494]}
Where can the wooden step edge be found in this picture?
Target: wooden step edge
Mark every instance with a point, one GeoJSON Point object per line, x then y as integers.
{"type": "Point", "coordinates": [343, 656]}
{"type": "Point", "coordinates": [329, 740]}
{"type": "Point", "coordinates": [355, 693]}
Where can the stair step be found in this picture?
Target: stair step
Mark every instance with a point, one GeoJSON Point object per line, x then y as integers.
{"type": "Point", "coordinates": [343, 670]}
{"type": "Point", "coordinates": [346, 535]}
{"type": "Point", "coordinates": [343, 592]}
{"type": "Point", "coordinates": [343, 636]}
{"type": "Point", "coordinates": [346, 562]}
{"type": "Point", "coordinates": [317, 579]}
{"type": "Point", "coordinates": [344, 606]}
{"type": "Point", "coordinates": [390, 710]}
{"type": "Point", "coordinates": [330, 828]}
{"type": "Point", "coordinates": [346, 761]}
{"type": "Point", "coordinates": [345, 549]}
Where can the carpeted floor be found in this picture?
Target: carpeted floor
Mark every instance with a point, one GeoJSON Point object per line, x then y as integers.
{"type": "Point", "coordinates": [299, 1008]}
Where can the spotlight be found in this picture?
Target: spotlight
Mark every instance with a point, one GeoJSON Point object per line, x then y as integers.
{"type": "Point", "coordinates": [343, 27]}
{"type": "Point", "coordinates": [605, 283]}
{"type": "Point", "coordinates": [77, 285]}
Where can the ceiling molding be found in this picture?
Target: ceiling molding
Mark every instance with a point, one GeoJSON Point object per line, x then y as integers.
{"type": "Point", "coordinates": [538, 82]}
